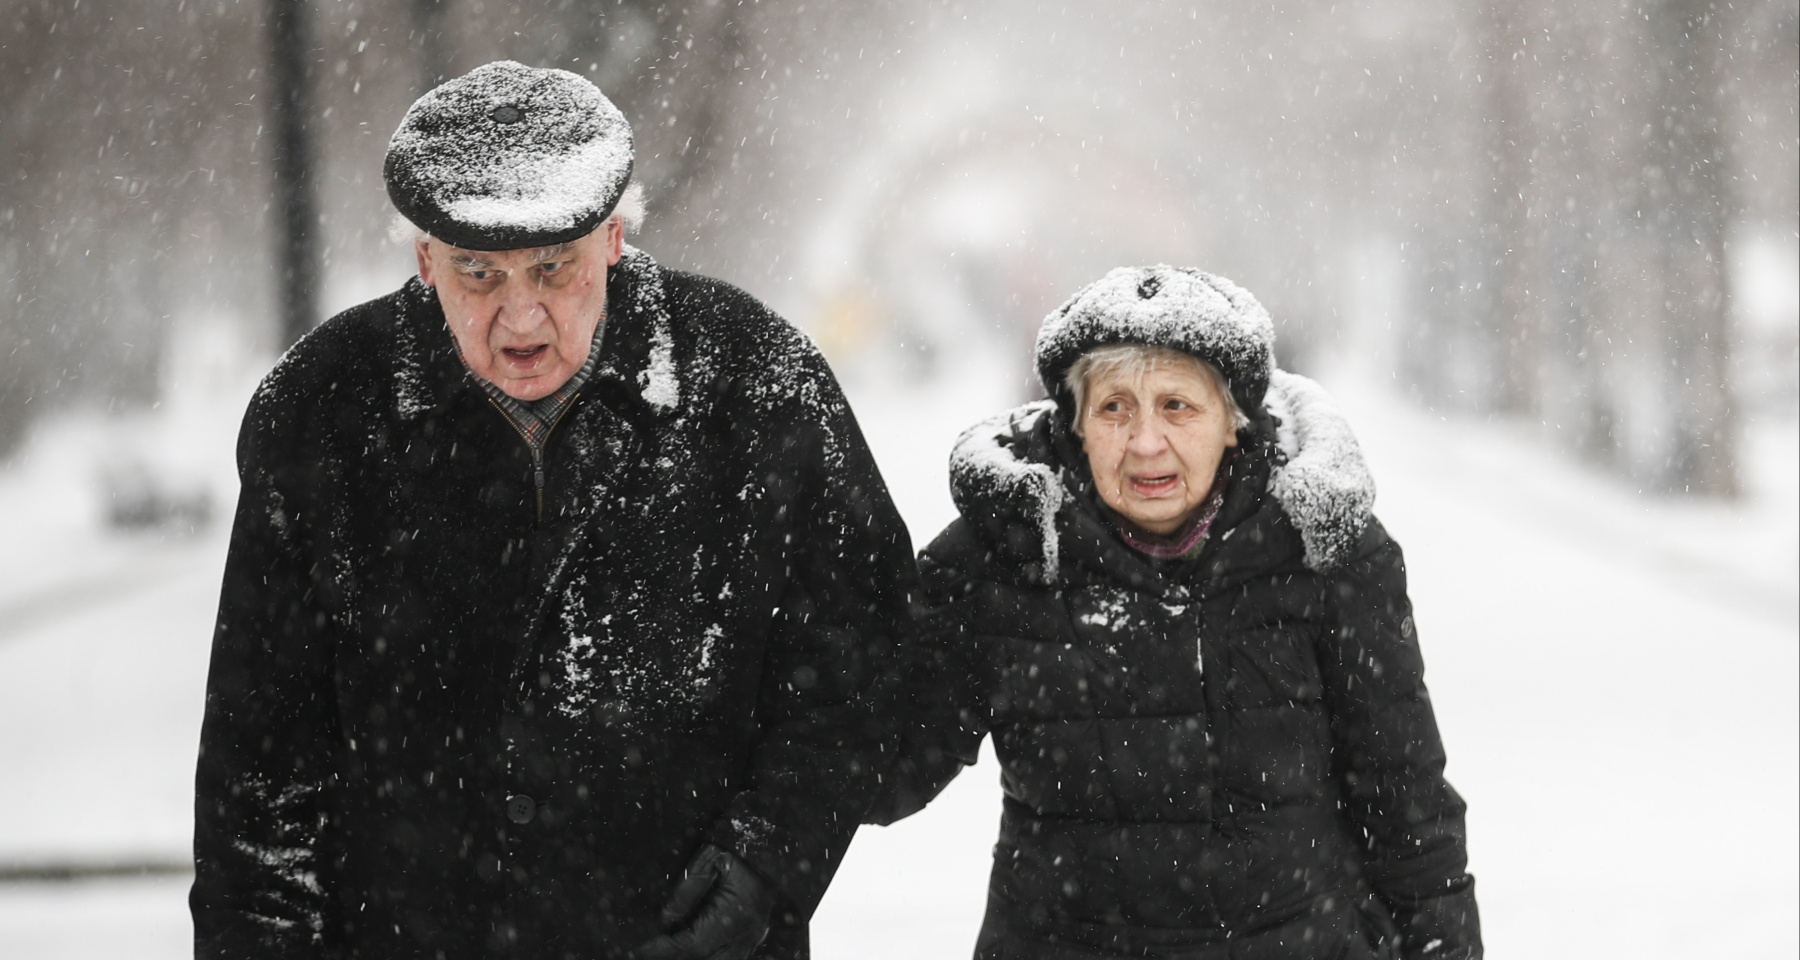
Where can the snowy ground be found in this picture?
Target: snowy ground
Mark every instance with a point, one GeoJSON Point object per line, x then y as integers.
{"type": "Point", "coordinates": [1616, 676]}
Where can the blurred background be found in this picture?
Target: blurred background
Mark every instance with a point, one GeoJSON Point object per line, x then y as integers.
{"type": "Point", "coordinates": [1547, 254]}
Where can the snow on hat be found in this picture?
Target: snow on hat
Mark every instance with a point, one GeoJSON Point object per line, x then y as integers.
{"type": "Point", "coordinates": [508, 156]}
{"type": "Point", "coordinates": [1184, 309]}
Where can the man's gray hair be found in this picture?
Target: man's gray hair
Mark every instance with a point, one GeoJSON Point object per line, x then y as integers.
{"type": "Point", "coordinates": [629, 211]}
{"type": "Point", "coordinates": [1132, 361]}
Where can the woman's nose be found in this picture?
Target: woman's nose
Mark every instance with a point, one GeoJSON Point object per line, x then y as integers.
{"type": "Point", "coordinates": [1148, 436]}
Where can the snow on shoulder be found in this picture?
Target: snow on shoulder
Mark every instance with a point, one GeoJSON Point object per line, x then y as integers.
{"type": "Point", "coordinates": [1325, 486]}
{"type": "Point", "coordinates": [658, 382]}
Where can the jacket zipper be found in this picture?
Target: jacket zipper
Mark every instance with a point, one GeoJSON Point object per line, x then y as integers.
{"type": "Point", "coordinates": [537, 450]}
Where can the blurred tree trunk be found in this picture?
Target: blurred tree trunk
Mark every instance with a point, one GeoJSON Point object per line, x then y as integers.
{"type": "Point", "coordinates": [21, 228]}
{"type": "Point", "coordinates": [434, 46]}
{"type": "Point", "coordinates": [17, 380]}
{"type": "Point", "coordinates": [701, 45]}
{"type": "Point", "coordinates": [1685, 187]}
{"type": "Point", "coordinates": [290, 106]}
{"type": "Point", "coordinates": [681, 107]}
{"type": "Point", "coordinates": [1511, 231]}
{"type": "Point", "coordinates": [1611, 311]}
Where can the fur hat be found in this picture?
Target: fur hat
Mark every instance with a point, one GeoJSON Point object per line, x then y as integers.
{"type": "Point", "coordinates": [507, 156]}
{"type": "Point", "coordinates": [1177, 307]}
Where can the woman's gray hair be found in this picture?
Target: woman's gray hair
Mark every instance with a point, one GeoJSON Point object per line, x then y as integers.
{"type": "Point", "coordinates": [1132, 361]}
{"type": "Point", "coordinates": [629, 211]}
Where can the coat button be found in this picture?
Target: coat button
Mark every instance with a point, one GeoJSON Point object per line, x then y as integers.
{"type": "Point", "coordinates": [520, 808]}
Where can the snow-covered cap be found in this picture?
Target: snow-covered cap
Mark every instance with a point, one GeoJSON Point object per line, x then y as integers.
{"type": "Point", "coordinates": [1181, 308]}
{"type": "Point", "coordinates": [508, 156]}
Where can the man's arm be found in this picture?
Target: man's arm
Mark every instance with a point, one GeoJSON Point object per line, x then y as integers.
{"type": "Point", "coordinates": [1390, 759]}
{"type": "Point", "coordinates": [843, 611]}
{"type": "Point", "coordinates": [258, 885]}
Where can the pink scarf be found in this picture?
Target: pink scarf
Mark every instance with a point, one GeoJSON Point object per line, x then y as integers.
{"type": "Point", "coordinates": [1187, 544]}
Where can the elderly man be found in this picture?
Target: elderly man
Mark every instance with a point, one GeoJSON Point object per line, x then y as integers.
{"type": "Point", "coordinates": [559, 586]}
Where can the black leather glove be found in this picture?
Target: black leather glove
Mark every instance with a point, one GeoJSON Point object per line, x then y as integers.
{"type": "Point", "coordinates": [719, 911]}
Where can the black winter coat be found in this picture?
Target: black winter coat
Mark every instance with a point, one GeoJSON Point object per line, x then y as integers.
{"type": "Point", "coordinates": [445, 721]}
{"type": "Point", "coordinates": [1227, 757]}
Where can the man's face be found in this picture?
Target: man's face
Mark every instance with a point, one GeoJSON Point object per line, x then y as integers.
{"type": "Point", "coordinates": [524, 319]}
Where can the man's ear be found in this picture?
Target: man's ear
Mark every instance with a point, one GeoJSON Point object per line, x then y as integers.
{"type": "Point", "coordinates": [422, 250]}
{"type": "Point", "coordinates": [615, 240]}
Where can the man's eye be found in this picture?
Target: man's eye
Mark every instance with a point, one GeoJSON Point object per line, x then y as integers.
{"type": "Point", "coordinates": [553, 267]}
{"type": "Point", "coordinates": [481, 276]}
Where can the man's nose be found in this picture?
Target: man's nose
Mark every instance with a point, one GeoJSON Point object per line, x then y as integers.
{"type": "Point", "coordinates": [520, 308]}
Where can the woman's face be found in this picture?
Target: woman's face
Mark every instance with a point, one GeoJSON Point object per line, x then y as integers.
{"type": "Point", "coordinates": [1154, 444]}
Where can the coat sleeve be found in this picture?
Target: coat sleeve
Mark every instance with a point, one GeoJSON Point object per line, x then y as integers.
{"type": "Point", "coordinates": [1389, 757]}
{"type": "Point", "coordinates": [843, 610]}
{"type": "Point", "coordinates": [259, 889]}
{"type": "Point", "coordinates": [938, 697]}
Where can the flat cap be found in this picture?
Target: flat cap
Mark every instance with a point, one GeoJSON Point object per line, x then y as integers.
{"type": "Point", "coordinates": [508, 156]}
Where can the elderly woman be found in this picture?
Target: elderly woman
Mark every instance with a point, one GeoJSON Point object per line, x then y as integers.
{"type": "Point", "coordinates": [1168, 602]}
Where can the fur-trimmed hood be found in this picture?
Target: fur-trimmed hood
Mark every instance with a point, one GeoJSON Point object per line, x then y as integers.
{"type": "Point", "coordinates": [999, 470]}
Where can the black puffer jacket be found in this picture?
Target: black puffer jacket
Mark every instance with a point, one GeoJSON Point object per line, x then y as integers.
{"type": "Point", "coordinates": [677, 647]}
{"type": "Point", "coordinates": [1231, 756]}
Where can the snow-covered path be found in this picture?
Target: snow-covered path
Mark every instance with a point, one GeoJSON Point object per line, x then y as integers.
{"type": "Point", "coordinates": [1617, 678]}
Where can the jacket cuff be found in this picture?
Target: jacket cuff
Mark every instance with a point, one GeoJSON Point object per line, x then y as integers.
{"type": "Point", "coordinates": [1446, 927]}
{"type": "Point", "coordinates": [799, 871]}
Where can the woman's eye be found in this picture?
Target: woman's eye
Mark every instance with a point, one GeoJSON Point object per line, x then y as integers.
{"type": "Point", "coordinates": [1115, 412]}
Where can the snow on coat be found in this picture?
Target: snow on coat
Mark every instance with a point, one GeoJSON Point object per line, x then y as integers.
{"type": "Point", "coordinates": [440, 717]}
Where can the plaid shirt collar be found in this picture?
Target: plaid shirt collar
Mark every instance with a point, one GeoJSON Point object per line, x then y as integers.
{"type": "Point", "coordinates": [534, 419]}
